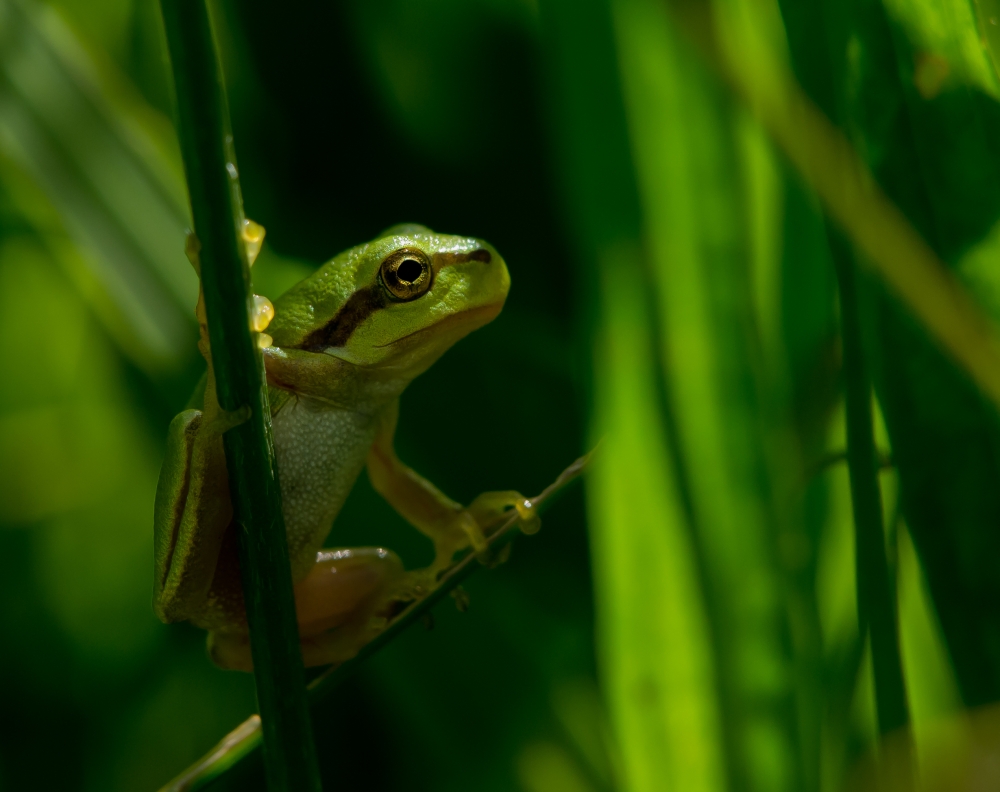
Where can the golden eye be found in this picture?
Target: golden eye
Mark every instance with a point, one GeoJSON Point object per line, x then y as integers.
{"type": "Point", "coordinates": [407, 273]}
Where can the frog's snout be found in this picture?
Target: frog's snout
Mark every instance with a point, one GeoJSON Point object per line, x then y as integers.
{"type": "Point", "coordinates": [451, 258]}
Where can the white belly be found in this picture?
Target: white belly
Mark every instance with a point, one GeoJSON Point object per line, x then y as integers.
{"type": "Point", "coordinates": [320, 453]}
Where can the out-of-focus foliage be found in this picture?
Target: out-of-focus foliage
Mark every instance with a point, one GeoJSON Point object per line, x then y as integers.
{"type": "Point", "coordinates": [724, 295]}
{"type": "Point", "coordinates": [673, 293]}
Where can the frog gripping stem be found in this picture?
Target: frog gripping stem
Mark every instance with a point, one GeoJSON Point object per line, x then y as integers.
{"type": "Point", "coordinates": [223, 249]}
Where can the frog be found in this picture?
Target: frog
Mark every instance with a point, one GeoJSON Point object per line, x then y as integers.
{"type": "Point", "coordinates": [340, 350]}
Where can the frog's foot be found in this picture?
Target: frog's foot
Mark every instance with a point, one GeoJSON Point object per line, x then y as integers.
{"type": "Point", "coordinates": [492, 508]}
{"type": "Point", "coordinates": [344, 601]}
{"type": "Point", "coordinates": [473, 525]}
{"type": "Point", "coordinates": [253, 237]}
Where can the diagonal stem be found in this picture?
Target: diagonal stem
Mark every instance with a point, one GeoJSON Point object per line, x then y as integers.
{"type": "Point", "coordinates": [238, 746]}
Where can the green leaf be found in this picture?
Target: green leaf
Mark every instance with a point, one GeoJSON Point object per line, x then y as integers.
{"type": "Point", "coordinates": [656, 653]}
{"type": "Point", "coordinates": [687, 139]}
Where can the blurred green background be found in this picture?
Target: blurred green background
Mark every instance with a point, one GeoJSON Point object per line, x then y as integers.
{"type": "Point", "coordinates": [686, 621]}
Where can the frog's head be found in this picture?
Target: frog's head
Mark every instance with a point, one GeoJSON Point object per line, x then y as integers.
{"type": "Point", "coordinates": [390, 307]}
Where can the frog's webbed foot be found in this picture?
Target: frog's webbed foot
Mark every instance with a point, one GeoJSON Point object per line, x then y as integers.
{"type": "Point", "coordinates": [474, 524]}
{"type": "Point", "coordinates": [491, 508]}
{"type": "Point", "coordinates": [253, 238]}
{"type": "Point", "coordinates": [252, 235]}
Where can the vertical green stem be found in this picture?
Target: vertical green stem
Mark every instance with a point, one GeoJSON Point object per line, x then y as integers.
{"type": "Point", "coordinates": [217, 210]}
{"type": "Point", "coordinates": [876, 597]}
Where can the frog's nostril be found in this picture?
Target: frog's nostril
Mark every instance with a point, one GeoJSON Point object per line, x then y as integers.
{"type": "Point", "coordinates": [482, 255]}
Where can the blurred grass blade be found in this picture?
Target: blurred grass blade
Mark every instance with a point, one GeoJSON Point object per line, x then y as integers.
{"type": "Point", "coordinates": [74, 129]}
{"type": "Point", "coordinates": [932, 145]}
{"type": "Point", "coordinates": [961, 757]}
{"type": "Point", "coordinates": [953, 51]}
{"type": "Point", "coordinates": [686, 136]}
{"type": "Point", "coordinates": [931, 686]}
{"type": "Point", "coordinates": [832, 168]}
{"type": "Point", "coordinates": [988, 17]}
{"type": "Point", "coordinates": [877, 608]}
{"type": "Point", "coordinates": [657, 660]}
{"type": "Point", "coordinates": [656, 653]}
{"type": "Point", "coordinates": [686, 478]}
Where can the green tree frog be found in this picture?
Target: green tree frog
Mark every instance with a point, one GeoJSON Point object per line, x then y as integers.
{"type": "Point", "coordinates": [344, 344]}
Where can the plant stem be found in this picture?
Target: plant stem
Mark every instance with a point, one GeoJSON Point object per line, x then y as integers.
{"type": "Point", "coordinates": [217, 210]}
{"type": "Point", "coordinates": [237, 747]}
{"type": "Point", "coordinates": [876, 596]}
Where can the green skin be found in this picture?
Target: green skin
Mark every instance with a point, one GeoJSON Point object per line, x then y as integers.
{"type": "Point", "coordinates": [346, 342]}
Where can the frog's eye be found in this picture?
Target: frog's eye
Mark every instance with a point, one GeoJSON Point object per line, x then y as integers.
{"type": "Point", "coordinates": [407, 273]}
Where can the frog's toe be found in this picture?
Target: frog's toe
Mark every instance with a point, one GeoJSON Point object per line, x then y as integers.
{"type": "Point", "coordinates": [473, 531]}
{"type": "Point", "coordinates": [491, 508]}
{"type": "Point", "coordinates": [253, 238]}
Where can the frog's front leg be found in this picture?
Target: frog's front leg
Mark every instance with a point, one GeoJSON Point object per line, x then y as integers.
{"type": "Point", "coordinates": [451, 526]}
{"type": "Point", "coordinates": [191, 511]}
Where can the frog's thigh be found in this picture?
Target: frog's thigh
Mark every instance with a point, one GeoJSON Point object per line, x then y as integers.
{"type": "Point", "coordinates": [344, 583]}
{"type": "Point", "coordinates": [191, 512]}
{"type": "Point", "coordinates": [335, 604]}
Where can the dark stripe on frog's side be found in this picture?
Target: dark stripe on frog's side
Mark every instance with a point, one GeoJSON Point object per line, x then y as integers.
{"type": "Point", "coordinates": [364, 302]}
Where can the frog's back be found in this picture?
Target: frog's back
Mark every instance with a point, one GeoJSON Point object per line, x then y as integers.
{"type": "Point", "coordinates": [320, 453]}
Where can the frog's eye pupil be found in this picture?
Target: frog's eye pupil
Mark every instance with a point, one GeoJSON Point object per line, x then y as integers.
{"type": "Point", "coordinates": [407, 274]}
{"type": "Point", "coordinates": [409, 270]}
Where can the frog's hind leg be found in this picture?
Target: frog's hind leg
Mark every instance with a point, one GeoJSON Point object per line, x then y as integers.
{"type": "Point", "coordinates": [342, 603]}
{"type": "Point", "coordinates": [190, 515]}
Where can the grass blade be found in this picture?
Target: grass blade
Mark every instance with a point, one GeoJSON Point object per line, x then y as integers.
{"type": "Point", "coordinates": [877, 610]}
{"type": "Point", "coordinates": [210, 166]}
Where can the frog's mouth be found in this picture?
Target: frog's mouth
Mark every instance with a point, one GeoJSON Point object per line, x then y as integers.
{"type": "Point", "coordinates": [451, 328]}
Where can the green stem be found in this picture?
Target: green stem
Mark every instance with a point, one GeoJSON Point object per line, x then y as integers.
{"type": "Point", "coordinates": [217, 210]}
{"type": "Point", "coordinates": [876, 596]}
{"type": "Point", "coordinates": [237, 747]}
